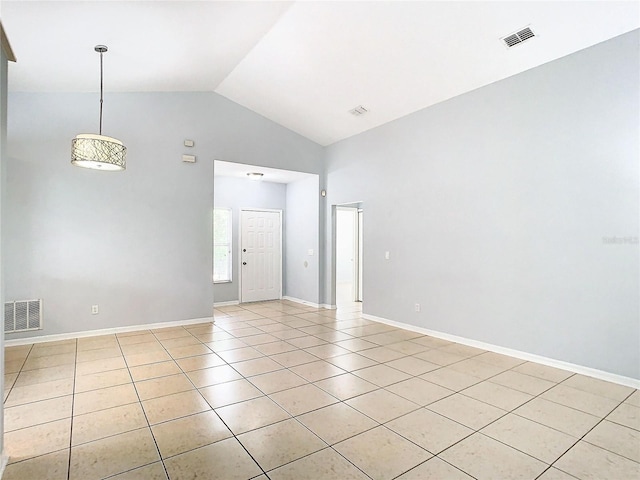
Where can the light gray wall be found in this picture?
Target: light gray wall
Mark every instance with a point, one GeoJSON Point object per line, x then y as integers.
{"type": "Point", "coordinates": [303, 234]}
{"type": "Point", "coordinates": [238, 193]}
{"type": "Point", "coordinates": [137, 243]}
{"type": "Point", "coordinates": [494, 206]}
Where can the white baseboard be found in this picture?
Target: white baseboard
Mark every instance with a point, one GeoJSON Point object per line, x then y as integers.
{"type": "Point", "coordinates": [226, 304]}
{"type": "Point", "coordinates": [302, 302]}
{"type": "Point", "coordinates": [551, 362]}
{"type": "Point", "coordinates": [4, 460]}
{"type": "Point", "coordinates": [104, 331]}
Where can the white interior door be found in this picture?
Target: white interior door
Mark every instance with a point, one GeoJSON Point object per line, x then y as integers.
{"type": "Point", "coordinates": [260, 255]}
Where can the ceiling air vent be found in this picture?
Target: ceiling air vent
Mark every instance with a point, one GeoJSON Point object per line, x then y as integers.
{"type": "Point", "coordinates": [359, 110]}
{"type": "Point", "coordinates": [518, 37]}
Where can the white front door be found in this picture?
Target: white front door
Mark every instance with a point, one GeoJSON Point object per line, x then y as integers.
{"type": "Point", "coordinates": [260, 256]}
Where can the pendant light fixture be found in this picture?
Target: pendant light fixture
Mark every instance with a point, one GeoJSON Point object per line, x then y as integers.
{"type": "Point", "coordinates": [97, 151]}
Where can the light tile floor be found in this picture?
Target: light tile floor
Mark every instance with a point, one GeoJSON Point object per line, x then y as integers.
{"type": "Point", "coordinates": [276, 390]}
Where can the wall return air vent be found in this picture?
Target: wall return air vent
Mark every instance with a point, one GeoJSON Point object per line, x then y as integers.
{"type": "Point", "coordinates": [518, 37]}
{"type": "Point", "coordinates": [22, 316]}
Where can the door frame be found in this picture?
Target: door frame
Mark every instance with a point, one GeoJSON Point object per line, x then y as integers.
{"type": "Point", "coordinates": [358, 207]}
{"type": "Point", "coordinates": [240, 276]}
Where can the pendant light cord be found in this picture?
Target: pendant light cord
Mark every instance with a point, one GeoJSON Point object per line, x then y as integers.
{"type": "Point", "coordinates": [100, 93]}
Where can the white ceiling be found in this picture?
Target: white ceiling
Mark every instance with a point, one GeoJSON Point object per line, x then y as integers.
{"type": "Point", "coordinates": [301, 64]}
{"type": "Point", "coordinates": [274, 175]}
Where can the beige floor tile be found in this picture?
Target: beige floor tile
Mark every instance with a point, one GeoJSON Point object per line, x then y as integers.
{"type": "Point", "coordinates": [260, 339]}
{"type": "Point", "coordinates": [627, 415]}
{"type": "Point", "coordinates": [188, 351]}
{"type": "Point", "coordinates": [336, 422]}
{"type": "Point", "coordinates": [598, 387]}
{"type": "Point", "coordinates": [522, 383]}
{"type": "Point", "coordinates": [497, 395]}
{"type": "Point", "coordinates": [333, 336]}
{"type": "Point", "coordinates": [274, 348]}
{"type": "Point", "coordinates": [171, 333]}
{"type": "Point", "coordinates": [535, 439]}
{"type": "Point", "coordinates": [246, 332]}
{"type": "Point", "coordinates": [35, 363]}
{"type": "Point", "coordinates": [485, 458]}
{"type": "Point", "coordinates": [464, 350]}
{"type": "Point", "coordinates": [303, 399]}
{"type": "Point", "coordinates": [182, 341]}
{"type": "Point", "coordinates": [327, 351]}
{"type": "Point", "coordinates": [451, 379]}
{"type": "Point", "coordinates": [187, 433]}
{"type": "Point", "coordinates": [174, 406]}
{"type": "Point", "coordinates": [257, 366]}
{"type": "Point", "coordinates": [580, 400]}
{"type": "Point", "coordinates": [381, 354]}
{"type": "Point", "coordinates": [419, 391]}
{"type": "Point", "coordinates": [318, 370]}
{"type": "Point", "coordinates": [9, 380]}
{"type": "Point", "coordinates": [53, 466]}
{"type": "Point", "coordinates": [381, 375]}
{"type": "Point", "coordinates": [223, 460]}
{"type": "Point", "coordinates": [98, 354]}
{"type": "Point", "coordinates": [200, 362]}
{"type": "Point", "coordinates": [555, 474]}
{"type": "Point", "coordinates": [356, 344]}
{"type": "Point", "coordinates": [30, 414]}
{"type": "Point", "coordinates": [499, 360]}
{"type": "Point", "coordinates": [13, 366]}
{"type": "Point", "coordinates": [19, 352]}
{"type": "Point", "coordinates": [240, 354]}
{"type": "Point", "coordinates": [98, 342]}
{"type": "Point", "coordinates": [587, 462]}
{"type": "Point", "coordinates": [476, 368]}
{"type": "Point", "coordinates": [293, 358]}
{"type": "Point", "coordinates": [133, 338]}
{"type": "Point", "coordinates": [634, 399]}
{"type": "Point", "coordinates": [273, 382]}
{"type": "Point", "coordinates": [542, 371]}
{"type": "Point", "coordinates": [112, 455]}
{"type": "Point", "coordinates": [439, 357]}
{"type": "Point", "coordinates": [100, 380]}
{"type": "Point", "coordinates": [154, 471]}
{"type": "Point", "coordinates": [382, 405]}
{"type": "Point", "coordinates": [251, 414]}
{"type": "Point", "coordinates": [408, 347]}
{"type": "Point", "coordinates": [48, 349]}
{"type": "Point", "coordinates": [430, 430]}
{"type": "Point", "coordinates": [381, 453]}
{"type": "Point", "coordinates": [138, 359]}
{"type": "Point", "coordinates": [102, 365]}
{"type": "Point", "coordinates": [346, 386]}
{"type": "Point", "coordinates": [435, 469]}
{"type": "Point", "coordinates": [39, 440]}
{"type": "Point", "coordinates": [103, 398]}
{"type": "Point", "coordinates": [158, 387]}
{"type": "Point", "coordinates": [230, 392]}
{"type": "Point", "coordinates": [39, 391]}
{"type": "Point", "coordinates": [412, 365]}
{"type": "Point", "coordinates": [616, 438]}
{"type": "Point", "coordinates": [307, 341]}
{"type": "Point", "coordinates": [293, 441]}
{"type": "Point", "coordinates": [154, 370]}
{"type": "Point", "coordinates": [44, 375]}
{"type": "Point", "coordinates": [351, 362]}
{"type": "Point", "coordinates": [467, 411]}
{"type": "Point", "coordinates": [323, 465]}
{"type": "Point", "coordinates": [146, 347]}
{"type": "Point", "coordinates": [213, 376]}
{"type": "Point", "coordinates": [554, 415]}
{"type": "Point", "coordinates": [383, 338]}
{"type": "Point", "coordinates": [104, 423]}
{"type": "Point", "coordinates": [431, 342]}
{"type": "Point", "coordinates": [223, 345]}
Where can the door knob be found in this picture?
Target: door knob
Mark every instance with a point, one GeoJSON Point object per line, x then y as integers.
{"type": "Point", "coordinates": [244, 249]}
{"type": "Point", "coordinates": [244, 263]}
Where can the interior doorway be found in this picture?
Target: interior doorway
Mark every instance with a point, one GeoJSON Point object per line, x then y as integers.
{"type": "Point", "coordinates": [349, 258]}
{"type": "Point", "coordinates": [260, 255]}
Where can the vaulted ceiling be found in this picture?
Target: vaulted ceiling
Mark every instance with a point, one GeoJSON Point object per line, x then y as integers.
{"type": "Point", "coordinates": [304, 65]}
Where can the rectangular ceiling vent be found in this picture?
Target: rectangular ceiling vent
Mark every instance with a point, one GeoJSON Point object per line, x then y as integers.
{"type": "Point", "coordinates": [518, 37]}
{"type": "Point", "coordinates": [359, 110]}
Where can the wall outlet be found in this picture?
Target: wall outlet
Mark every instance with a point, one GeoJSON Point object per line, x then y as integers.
{"type": "Point", "coordinates": [94, 310]}
{"type": "Point", "coordinates": [416, 307]}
